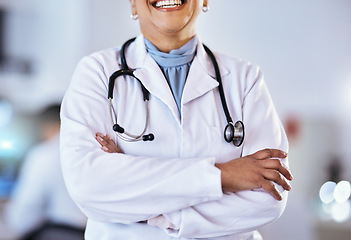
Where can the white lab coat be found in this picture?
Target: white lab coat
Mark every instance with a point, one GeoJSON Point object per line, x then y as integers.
{"type": "Point", "coordinates": [174, 175]}
{"type": "Point", "coordinates": [40, 194]}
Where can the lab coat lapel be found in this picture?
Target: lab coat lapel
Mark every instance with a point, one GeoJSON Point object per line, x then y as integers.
{"type": "Point", "coordinates": [201, 78]}
{"type": "Point", "coordinates": [151, 76]}
{"type": "Point", "coordinates": [198, 83]}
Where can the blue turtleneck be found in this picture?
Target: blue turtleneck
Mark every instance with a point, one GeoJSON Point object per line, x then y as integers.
{"type": "Point", "coordinates": [175, 65]}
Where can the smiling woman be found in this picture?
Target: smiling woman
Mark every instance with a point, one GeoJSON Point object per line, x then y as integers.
{"type": "Point", "coordinates": [187, 181]}
{"type": "Point", "coordinates": [168, 24]}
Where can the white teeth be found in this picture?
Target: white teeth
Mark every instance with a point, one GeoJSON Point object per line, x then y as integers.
{"type": "Point", "coordinates": [168, 3]}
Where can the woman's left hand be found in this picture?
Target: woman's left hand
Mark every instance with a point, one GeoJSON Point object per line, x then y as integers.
{"type": "Point", "coordinates": [107, 143]}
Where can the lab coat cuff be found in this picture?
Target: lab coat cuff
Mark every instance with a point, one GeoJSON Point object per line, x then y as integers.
{"type": "Point", "coordinates": [212, 181]}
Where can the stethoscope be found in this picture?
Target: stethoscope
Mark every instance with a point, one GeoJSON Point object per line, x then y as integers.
{"type": "Point", "coordinates": [233, 132]}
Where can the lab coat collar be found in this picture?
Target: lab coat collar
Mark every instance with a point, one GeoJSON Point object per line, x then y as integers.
{"type": "Point", "coordinates": [200, 80]}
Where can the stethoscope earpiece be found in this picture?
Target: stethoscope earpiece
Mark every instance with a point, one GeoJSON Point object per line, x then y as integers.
{"type": "Point", "coordinates": [118, 128]}
{"type": "Point", "coordinates": [148, 137]}
{"type": "Point", "coordinates": [234, 133]}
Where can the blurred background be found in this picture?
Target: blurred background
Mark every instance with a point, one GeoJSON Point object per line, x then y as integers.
{"type": "Point", "coordinates": [303, 48]}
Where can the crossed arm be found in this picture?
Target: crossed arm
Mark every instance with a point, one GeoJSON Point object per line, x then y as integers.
{"type": "Point", "coordinates": [255, 171]}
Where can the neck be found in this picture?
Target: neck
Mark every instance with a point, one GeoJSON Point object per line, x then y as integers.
{"type": "Point", "coordinates": [166, 43]}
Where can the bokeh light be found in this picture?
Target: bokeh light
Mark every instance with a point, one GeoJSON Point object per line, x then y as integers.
{"type": "Point", "coordinates": [326, 192]}
{"type": "Point", "coordinates": [335, 197]}
{"type": "Point", "coordinates": [6, 144]}
{"type": "Point", "coordinates": [340, 212]}
{"type": "Point", "coordinates": [342, 191]}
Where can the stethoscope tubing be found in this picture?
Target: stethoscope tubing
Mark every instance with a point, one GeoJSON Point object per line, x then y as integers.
{"type": "Point", "coordinates": [220, 85]}
{"type": "Point", "coordinates": [133, 138]}
{"type": "Point", "coordinates": [237, 130]}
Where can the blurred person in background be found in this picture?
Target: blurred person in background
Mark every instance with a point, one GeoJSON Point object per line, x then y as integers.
{"type": "Point", "coordinates": [40, 199]}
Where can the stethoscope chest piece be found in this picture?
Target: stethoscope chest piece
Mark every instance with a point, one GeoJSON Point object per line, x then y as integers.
{"type": "Point", "coordinates": [234, 133]}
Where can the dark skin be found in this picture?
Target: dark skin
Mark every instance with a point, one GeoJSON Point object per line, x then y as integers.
{"type": "Point", "coordinates": [254, 171]}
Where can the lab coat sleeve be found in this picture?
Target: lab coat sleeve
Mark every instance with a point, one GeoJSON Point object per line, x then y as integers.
{"type": "Point", "coordinates": [119, 187]}
{"type": "Point", "coordinates": [244, 211]}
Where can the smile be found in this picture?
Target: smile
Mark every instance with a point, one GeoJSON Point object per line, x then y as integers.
{"type": "Point", "coordinates": [168, 3]}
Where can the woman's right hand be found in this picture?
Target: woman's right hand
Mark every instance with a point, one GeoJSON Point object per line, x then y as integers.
{"type": "Point", "coordinates": [107, 143]}
{"type": "Point", "coordinates": [255, 171]}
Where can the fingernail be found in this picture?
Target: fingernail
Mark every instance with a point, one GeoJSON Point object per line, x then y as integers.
{"type": "Point", "coordinates": [290, 176]}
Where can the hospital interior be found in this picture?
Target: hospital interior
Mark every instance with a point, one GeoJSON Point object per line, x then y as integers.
{"type": "Point", "coordinates": [302, 47]}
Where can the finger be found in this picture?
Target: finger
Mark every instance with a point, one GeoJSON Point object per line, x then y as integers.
{"type": "Point", "coordinates": [99, 134]}
{"type": "Point", "coordinates": [106, 149]}
{"type": "Point", "coordinates": [270, 187]}
{"type": "Point", "coordinates": [279, 166]}
{"type": "Point", "coordinates": [110, 141]}
{"type": "Point", "coordinates": [270, 153]}
{"type": "Point", "coordinates": [105, 144]}
{"type": "Point", "coordinates": [109, 137]}
{"type": "Point", "coordinates": [111, 144]}
{"type": "Point", "coordinates": [101, 140]}
{"type": "Point", "coordinates": [116, 149]}
{"type": "Point", "coordinates": [276, 177]}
